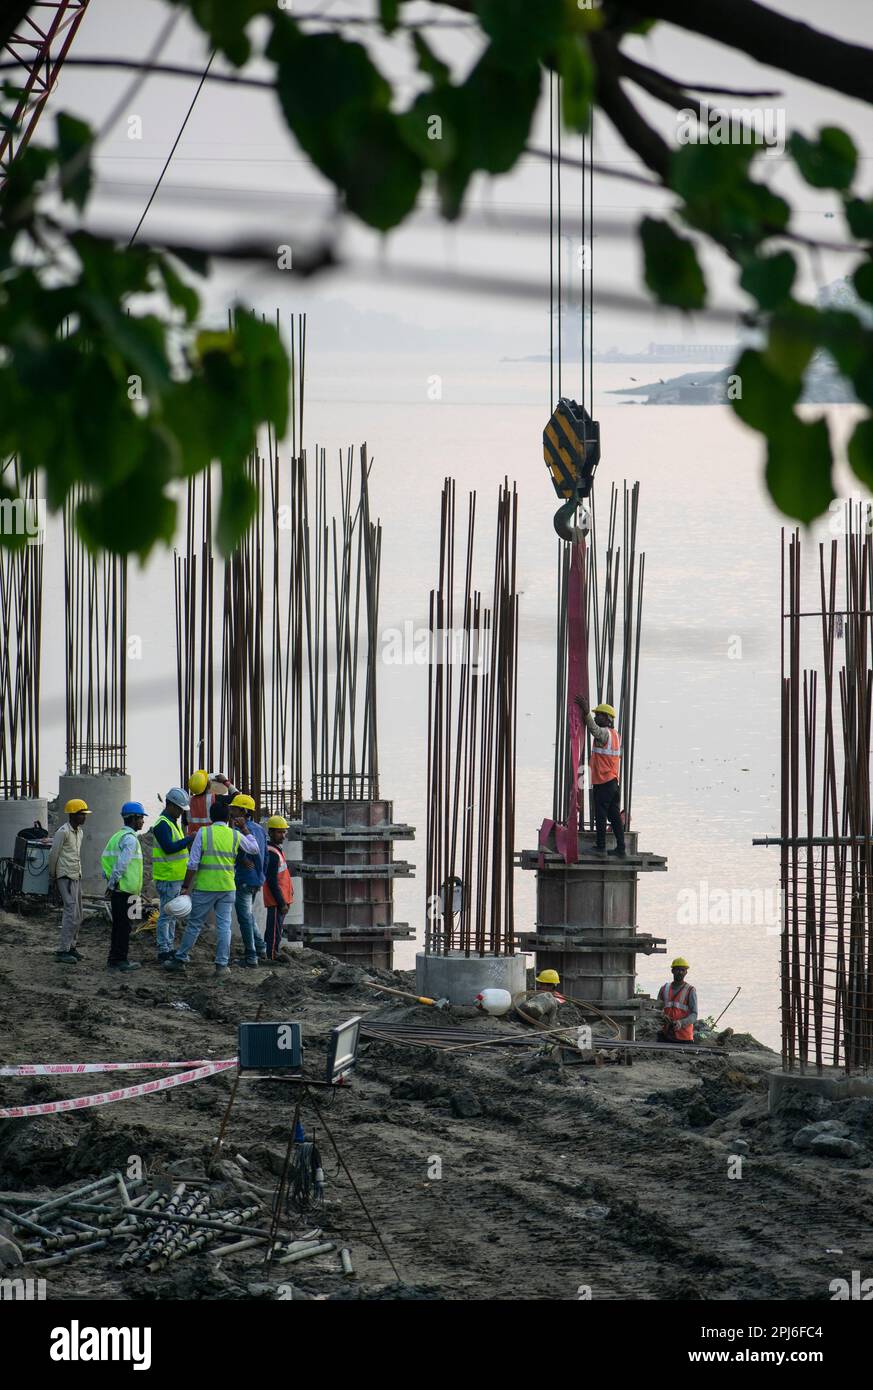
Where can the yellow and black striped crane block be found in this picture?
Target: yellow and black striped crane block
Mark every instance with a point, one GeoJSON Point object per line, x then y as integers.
{"type": "Point", "coordinates": [571, 449]}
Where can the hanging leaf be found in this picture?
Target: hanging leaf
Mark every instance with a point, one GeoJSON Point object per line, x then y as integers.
{"type": "Point", "coordinates": [829, 162]}
{"type": "Point", "coordinates": [672, 271]}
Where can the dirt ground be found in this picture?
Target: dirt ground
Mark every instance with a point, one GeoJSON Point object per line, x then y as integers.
{"type": "Point", "coordinates": [607, 1181]}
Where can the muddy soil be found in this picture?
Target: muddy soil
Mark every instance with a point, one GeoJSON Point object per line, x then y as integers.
{"type": "Point", "coordinates": [489, 1173]}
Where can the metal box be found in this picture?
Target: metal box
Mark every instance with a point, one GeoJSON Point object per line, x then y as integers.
{"type": "Point", "coordinates": [266, 1046]}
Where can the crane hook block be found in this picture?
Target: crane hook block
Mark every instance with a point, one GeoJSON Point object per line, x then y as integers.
{"type": "Point", "coordinates": [571, 449]}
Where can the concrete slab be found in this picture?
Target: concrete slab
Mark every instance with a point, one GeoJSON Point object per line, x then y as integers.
{"type": "Point", "coordinates": [832, 1083]}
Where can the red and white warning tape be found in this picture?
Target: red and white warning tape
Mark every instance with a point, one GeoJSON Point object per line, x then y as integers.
{"type": "Point", "coordinates": [52, 1107]}
{"type": "Point", "coordinates": [80, 1068]}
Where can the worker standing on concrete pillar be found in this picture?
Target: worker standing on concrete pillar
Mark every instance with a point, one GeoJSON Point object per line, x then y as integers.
{"type": "Point", "coordinates": [122, 865]}
{"type": "Point", "coordinates": [278, 889]}
{"type": "Point", "coordinates": [605, 764]}
{"type": "Point", "coordinates": [170, 846]}
{"type": "Point", "coordinates": [249, 880]}
{"type": "Point", "coordinates": [211, 862]}
{"type": "Point", "coordinates": [678, 1000]}
{"type": "Point", "coordinates": [65, 866]}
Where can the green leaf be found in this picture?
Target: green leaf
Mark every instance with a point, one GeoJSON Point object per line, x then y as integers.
{"type": "Point", "coordinates": [236, 508]}
{"type": "Point", "coordinates": [577, 81]}
{"type": "Point", "coordinates": [521, 30]}
{"type": "Point", "coordinates": [764, 395]}
{"type": "Point", "coordinates": [860, 451]}
{"type": "Point", "coordinates": [428, 61]}
{"type": "Point", "coordinates": [702, 171]}
{"type": "Point", "coordinates": [768, 279]}
{"type": "Point", "coordinates": [799, 466]}
{"type": "Point", "coordinates": [829, 162]}
{"type": "Point", "coordinates": [338, 106]}
{"type": "Point", "coordinates": [180, 294]}
{"type": "Point", "coordinates": [74, 140]}
{"type": "Point", "coordinates": [225, 22]}
{"type": "Point", "coordinates": [389, 12]}
{"type": "Point", "coordinates": [859, 215]}
{"type": "Point", "coordinates": [793, 337]}
{"type": "Point", "coordinates": [137, 511]}
{"type": "Point", "coordinates": [863, 280]}
{"type": "Point", "coordinates": [672, 271]}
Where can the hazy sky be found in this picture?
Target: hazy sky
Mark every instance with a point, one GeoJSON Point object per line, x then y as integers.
{"type": "Point", "coordinates": [237, 168]}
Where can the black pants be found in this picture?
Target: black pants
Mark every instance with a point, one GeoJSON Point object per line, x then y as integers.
{"type": "Point", "coordinates": [607, 807]}
{"type": "Point", "coordinates": [273, 931]}
{"type": "Point", "coordinates": [119, 942]}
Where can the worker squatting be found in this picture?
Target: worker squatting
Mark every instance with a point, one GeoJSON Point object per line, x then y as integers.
{"type": "Point", "coordinates": [210, 858]}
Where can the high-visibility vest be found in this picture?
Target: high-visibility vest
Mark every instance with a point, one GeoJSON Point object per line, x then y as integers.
{"type": "Point", "coordinates": [605, 759]}
{"type": "Point", "coordinates": [218, 849]}
{"type": "Point", "coordinates": [286, 888]}
{"type": "Point", "coordinates": [676, 1008]}
{"type": "Point", "coordinates": [169, 868]}
{"type": "Point", "coordinates": [131, 879]}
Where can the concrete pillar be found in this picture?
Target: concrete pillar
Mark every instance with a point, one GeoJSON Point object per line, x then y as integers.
{"type": "Point", "coordinates": [105, 794]}
{"type": "Point", "coordinates": [460, 978]}
{"type": "Point", "coordinates": [19, 813]}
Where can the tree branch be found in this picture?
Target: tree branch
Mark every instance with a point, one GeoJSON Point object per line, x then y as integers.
{"type": "Point", "coordinates": [774, 39]}
{"type": "Point", "coordinates": [636, 133]}
{"type": "Point", "coordinates": [637, 71]}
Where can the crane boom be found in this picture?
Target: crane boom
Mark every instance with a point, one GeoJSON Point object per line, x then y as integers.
{"type": "Point", "coordinates": [39, 47]}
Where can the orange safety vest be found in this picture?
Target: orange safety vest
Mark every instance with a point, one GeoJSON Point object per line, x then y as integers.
{"type": "Point", "coordinates": [676, 1007]}
{"type": "Point", "coordinates": [605, 759]}
{"type": "Point", "coordinates": [286, 887]}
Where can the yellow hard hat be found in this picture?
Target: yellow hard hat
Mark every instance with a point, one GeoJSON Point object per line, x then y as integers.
{"type": "Point", "coordinates": [680, 963]}
{"type": "Point", "coordinates": [243, 800]}
{"type": "Point", "coordinates": [198, 781]}
{"type": "Point", "coordinates": [277, 823]}
{"type": "Point", "coordinates": [605, 709]}
{"type": "Point", "coordinates": [548, 977]}
{"type": "Point", "coordinates": [77, 804]}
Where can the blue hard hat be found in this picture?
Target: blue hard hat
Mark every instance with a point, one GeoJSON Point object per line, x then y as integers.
{"type": "Point", "coordinates": [133, 808]}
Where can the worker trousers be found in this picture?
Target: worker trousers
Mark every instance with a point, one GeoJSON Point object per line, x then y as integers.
{"type": "Point", "coordinates": [253, 942]}
{"type": "Point", "coordinates": [202, 903]}
{"type": "Point", "coordinates": [165, 934]}
{"type": "Point", "coordinates": [125, 909]}
{"type": "Point", "coordinates": [273, 933]}
{"type": "Point", "coordinates": [70, 890]}
{"type": "Point", "coordinates": [607, 807]}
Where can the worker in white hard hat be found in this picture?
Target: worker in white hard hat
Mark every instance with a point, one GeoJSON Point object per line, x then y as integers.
{"type": "Point", "coordinates": [604, 764]}
{"type": "Point", "coordinates": [678, 1000]}
{"type": "Point", "coordinates": [170, 846]}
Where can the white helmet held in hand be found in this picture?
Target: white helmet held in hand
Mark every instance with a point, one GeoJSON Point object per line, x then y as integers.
{"type": "Point", "coordinates": [180, 906]}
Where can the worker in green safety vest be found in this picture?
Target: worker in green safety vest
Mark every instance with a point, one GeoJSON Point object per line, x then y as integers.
{"type": "Point", "coordinates": [170, 846]}
{"type": "Point", "coordinates": [210, 878]}
{"type": "Point", "coordinates": [122, 866]}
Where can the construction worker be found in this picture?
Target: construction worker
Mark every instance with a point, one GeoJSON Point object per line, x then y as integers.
{"type": "Point", "coordinates": [170, 846]}
{"type": "Point", "coordinates": [249, 878]}
{"type": "Point", "coordinates": [548, 982]}
{"type": "Point", "coordinates": [604, 764]}
{"type": "Point", "coordinates": [121, 862]}
{"type": "Point", "coordinates": [278, 889]}
{"type": "Point", "coordinates": [679, 1003]}
{"type": "Point", "coordinates": [211, 861]}
{"type": "Point", "coordinates": [65, 867]}
{"type": "Point", "coordinates": [206, 788]}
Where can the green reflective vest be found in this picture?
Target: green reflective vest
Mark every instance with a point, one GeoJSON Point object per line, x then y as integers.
{"type": "Point", "coordinates": [131, 879]}
{"type": "Point", "coordinates": [218, 850]}
{"type": "Point", "coordinates": [169, 868]}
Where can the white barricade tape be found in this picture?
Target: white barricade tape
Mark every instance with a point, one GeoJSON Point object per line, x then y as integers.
{"type": "Point", "coordinates": [53, 1107]}
{"type": "Point", "coordinates": [80, 1068]}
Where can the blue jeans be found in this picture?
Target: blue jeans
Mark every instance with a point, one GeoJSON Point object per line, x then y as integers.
{"type": "Point", "coordinates": [166, 927]}
{"type": "Point", "coordinates": [253, 942]}
{"type": "Point", "coordinates": [202, 903]}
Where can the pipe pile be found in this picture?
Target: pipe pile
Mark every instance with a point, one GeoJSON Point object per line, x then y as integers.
{"type": "Point", "coordinates": [21, 570]}
{"type": "Point", "coordinates": [472, 726]}
{"type": "Point", "coordinates": [95, 619]}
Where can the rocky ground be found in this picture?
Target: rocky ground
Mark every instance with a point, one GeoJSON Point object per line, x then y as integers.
{"type": "Point", "coordinates": [490, 1173]}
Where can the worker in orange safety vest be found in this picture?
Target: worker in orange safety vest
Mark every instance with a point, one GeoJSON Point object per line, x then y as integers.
{"type": "Point", "coordinates": [604, 764]}
{"type": "Point", "coordinates": [678, 1001]}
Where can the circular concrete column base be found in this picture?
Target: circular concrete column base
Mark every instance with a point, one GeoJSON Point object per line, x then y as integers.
{"type": "Point", "coordinates": [460, 978]}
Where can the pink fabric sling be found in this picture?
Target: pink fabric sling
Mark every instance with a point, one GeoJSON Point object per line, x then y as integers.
{"type": "Point", "coordinates": [566, 836]}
